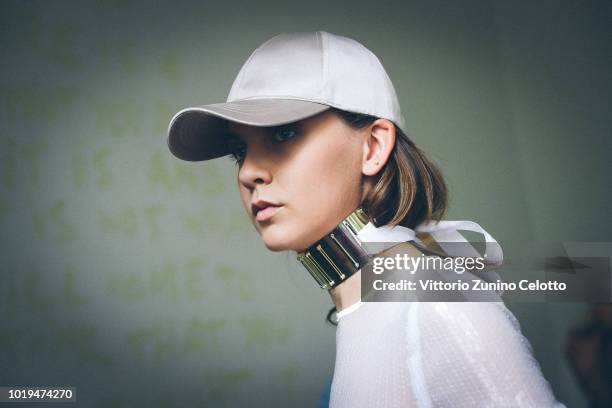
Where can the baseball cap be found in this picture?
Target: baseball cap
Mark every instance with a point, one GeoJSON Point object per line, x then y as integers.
{"type": "Point", "coordinates": [290, 77]}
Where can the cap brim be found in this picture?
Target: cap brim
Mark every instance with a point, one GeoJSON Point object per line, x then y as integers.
{"type": "Point", "coordinates": [198, 133]}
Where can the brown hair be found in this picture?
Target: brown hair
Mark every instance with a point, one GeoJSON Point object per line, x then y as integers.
{"type": "Point", "coordinates": [409, 190]}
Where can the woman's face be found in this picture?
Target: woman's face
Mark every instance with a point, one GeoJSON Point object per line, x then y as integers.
{"type": "Point", "coordinates": [298, 181]}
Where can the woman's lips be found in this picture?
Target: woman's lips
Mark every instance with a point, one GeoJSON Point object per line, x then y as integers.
{"type": "Point", "coordinates": [267, 213]}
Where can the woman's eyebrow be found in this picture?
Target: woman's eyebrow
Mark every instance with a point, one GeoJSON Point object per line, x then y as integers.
{"type": "Point", "coordinates": [293, 125]}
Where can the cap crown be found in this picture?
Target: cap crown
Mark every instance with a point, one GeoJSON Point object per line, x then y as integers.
{"type": "Point", "coordinates": [318, 67]}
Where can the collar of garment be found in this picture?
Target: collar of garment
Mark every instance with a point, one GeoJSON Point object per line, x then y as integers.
{"type": "Point", "coordinates": [443, 232]}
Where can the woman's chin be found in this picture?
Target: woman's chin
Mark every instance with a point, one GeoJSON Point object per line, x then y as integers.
{"type": "Point", "coordinates": [276, 241]}
{"type": "Point", "coordinates": [276, 248]}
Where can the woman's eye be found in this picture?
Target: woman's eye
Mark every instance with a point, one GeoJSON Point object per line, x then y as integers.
{"type": "Point", "coordinates": [281, 135]}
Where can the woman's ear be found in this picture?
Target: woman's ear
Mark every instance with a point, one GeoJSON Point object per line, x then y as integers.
{"type": "Point", "coordinates": [377, 146]}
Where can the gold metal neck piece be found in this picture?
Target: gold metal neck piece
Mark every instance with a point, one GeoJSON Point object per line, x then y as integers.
{"type": "Point", "coordinates": [339, 254]}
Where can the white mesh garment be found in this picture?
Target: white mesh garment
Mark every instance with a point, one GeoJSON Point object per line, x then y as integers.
{"type": "Point", "coordinates": [433, 354]}
{"type": "Point", "coordinates": [436, 354]}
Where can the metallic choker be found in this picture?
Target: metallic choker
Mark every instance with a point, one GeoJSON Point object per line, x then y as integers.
{"type": "Point", "coordinates": [338, 255]}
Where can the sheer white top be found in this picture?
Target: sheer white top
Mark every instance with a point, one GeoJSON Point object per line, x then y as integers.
{"type": "Point", "coordinates": [434, 354]}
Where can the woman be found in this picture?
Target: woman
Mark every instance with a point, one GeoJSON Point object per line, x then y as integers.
{"type": "Point", "coordinates": [315, 127]}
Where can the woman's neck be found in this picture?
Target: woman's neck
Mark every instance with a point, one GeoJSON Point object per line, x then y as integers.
{"type": "Point", "coordinates": [347, 293]}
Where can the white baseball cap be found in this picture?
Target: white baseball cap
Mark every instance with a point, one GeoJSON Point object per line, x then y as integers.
{"type": "Point", "coordinates": [288, 78]}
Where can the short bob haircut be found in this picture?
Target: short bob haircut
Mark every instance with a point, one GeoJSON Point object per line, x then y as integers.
{"type": "Point", "coordinates": [410, 189]}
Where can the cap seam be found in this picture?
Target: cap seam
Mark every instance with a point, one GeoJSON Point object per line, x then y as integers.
{"type": "Point", "coordinates": [321, 39]}
{"type": "Point", "coordinates": [324, 64]}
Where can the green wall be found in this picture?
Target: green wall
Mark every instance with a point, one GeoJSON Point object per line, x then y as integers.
{"type": "Point", "coordinates": [120, 272]}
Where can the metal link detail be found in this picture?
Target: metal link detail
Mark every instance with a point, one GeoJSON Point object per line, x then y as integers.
{"type": "Point", "coordinates": [315, 270]}
{"type": "Point", "coordinates": [328, 259]}
{"type": "Point", "coordinates": [330, 269]}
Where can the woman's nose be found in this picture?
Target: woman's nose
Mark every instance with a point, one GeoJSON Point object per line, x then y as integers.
{"type": "Point", "coordinates": [255, 169]}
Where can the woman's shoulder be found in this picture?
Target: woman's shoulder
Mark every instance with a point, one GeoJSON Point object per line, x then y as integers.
{"type": "Point", "coordinates": [478, 345]}
{"type": "Point", "coordinates": [485, 322]}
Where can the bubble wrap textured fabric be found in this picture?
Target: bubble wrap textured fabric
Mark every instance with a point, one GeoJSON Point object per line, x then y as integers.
{"type": "Point", "coordinates": [435, 354]}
